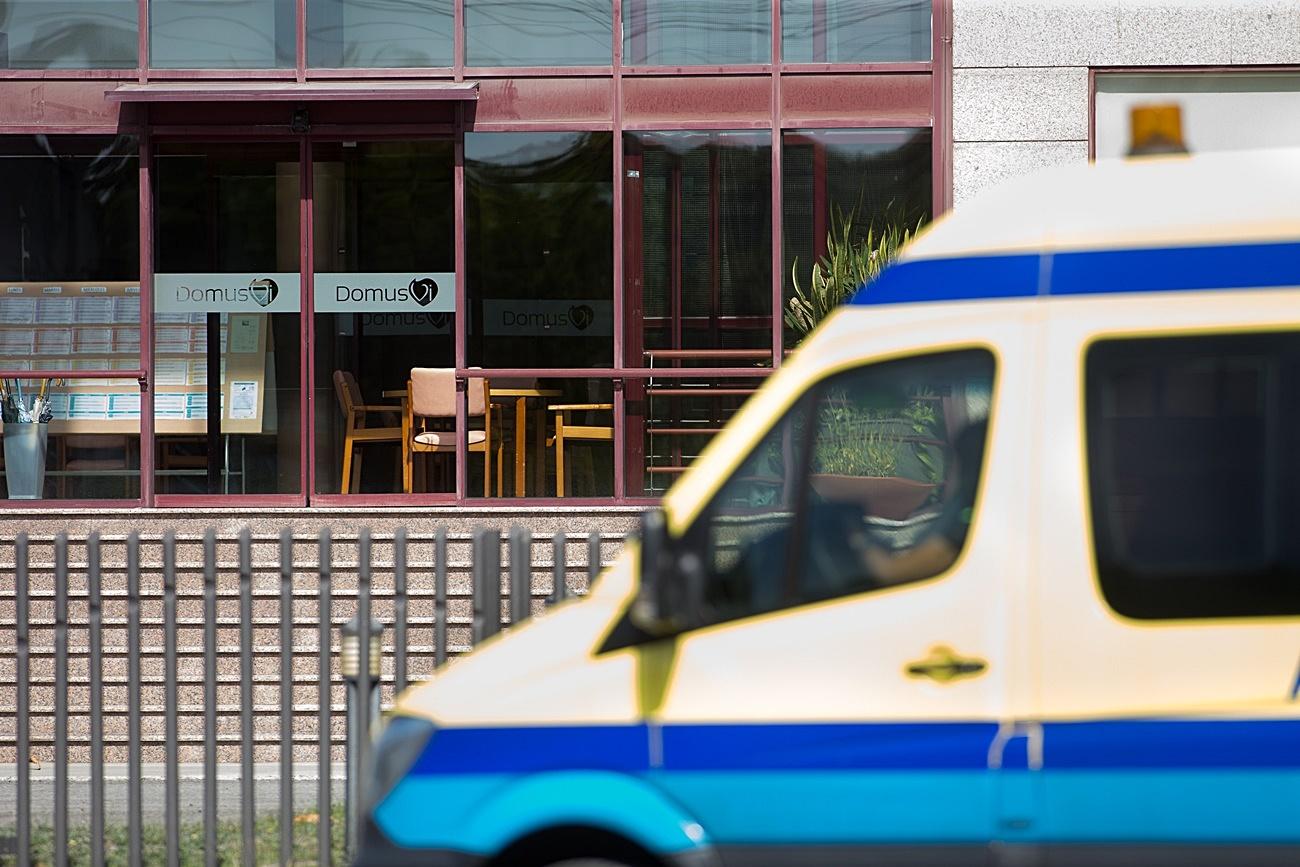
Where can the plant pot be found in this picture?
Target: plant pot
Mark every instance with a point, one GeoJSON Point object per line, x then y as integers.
{"type": "Point", "coordinates": [888, 497]}
{"type": "Point", "coordinates": [25, 459]}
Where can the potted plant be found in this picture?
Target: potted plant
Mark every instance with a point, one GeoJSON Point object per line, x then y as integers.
{"type": "Point", "coordinates": [848, 263]}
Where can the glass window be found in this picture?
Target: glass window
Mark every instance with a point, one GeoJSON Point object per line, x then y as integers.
{"type": "Point", "coordinates": [1195, 488]}
{"type": "Point", "coordinates": [379, 33]}
{"type": "Point", "coordinates": [865, 181]}
{"type": "Point", "coordinates": [698, 245]}
{"type": "Point", "coordinates": [868, 482]}
{"type": "Point", "coordinates": [385, 291]}
{"type": "Point", "coordinates": [539, 32]}
{"type": "Point", "coordinates": [70, 284]}
{"type": "Point", "coordinates": [226, 326]}
{"type": "Point", "coordinates": [692, 33]}
{"type": "Point", "coordinates": [1221, 111]}
{"type": "Point", "coordinates": [855, 31]}
{"type": "Point", "coordinates": [539, 225]}
{"type": "Point", "coordinates": [68, 34]}
{"type": "Point", "coordinates": [222, 34]}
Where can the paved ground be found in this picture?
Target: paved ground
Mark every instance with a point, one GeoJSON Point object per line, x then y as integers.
{"type": "Point", "coordinates": [266, 792]}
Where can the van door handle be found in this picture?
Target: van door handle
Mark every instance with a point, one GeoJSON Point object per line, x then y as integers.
{"type": "Point", "coordinates": [945, 665]}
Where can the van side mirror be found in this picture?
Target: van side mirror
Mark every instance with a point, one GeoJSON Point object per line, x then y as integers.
{"type": "Point", "coordinates": [671, 594]}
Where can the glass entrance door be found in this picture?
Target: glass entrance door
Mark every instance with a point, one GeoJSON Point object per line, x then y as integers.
{"type": "Point", "coordinates": [227, 295]}
{"type": "Point", "coordinates": [384, 290]}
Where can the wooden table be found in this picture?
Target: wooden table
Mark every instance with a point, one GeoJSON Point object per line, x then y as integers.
{"type": "Point", "coordinates": [520, 396]}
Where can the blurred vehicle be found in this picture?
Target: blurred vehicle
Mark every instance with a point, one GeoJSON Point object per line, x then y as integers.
{"type": "Point", "coordinates": [1002, 567]}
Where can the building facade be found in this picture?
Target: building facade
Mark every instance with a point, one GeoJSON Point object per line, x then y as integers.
{"type": "Point", "coordinates": [427, 260]}
{"type": "Point", "coordinates": [233, 228]}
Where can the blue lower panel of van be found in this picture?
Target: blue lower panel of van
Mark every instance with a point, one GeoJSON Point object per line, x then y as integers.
{"type": "Point", "coordinates": [1188, 806]}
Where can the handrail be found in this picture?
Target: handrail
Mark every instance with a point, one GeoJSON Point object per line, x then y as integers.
{"type": "Point", "coordinates": [671, 354]}
{"type": "Point", "coordinates": [72, 374]}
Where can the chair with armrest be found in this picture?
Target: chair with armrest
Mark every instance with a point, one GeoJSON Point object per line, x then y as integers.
{"type": "Point", "coordinates": [431, 395]}
{"type": "Point", "coordinates": [358, 432]}
{"type": "Point", "coordinates": [566, 430]}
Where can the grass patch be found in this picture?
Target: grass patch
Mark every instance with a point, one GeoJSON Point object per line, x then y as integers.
{"type": "Point", "coordinates": [230, 842]}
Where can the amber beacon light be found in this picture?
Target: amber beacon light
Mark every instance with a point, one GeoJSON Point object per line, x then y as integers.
{"type": "Point", "coordinates": [1156, 129]}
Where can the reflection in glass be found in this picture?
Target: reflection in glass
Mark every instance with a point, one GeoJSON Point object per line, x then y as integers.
{"type": "Point", "coordinates": [69, 262]}
{"type": "Point", "coordinates": [381, 208]}
{"type": "Point", "coordinates": [854, 31]}
{"type": "Point", "coordinates": [539, 249]}
{"type": "Point", "coordinates": [222, 34]}
{"type": "Point", "coordinates": [877, 177]}
{"type": "Point", "coordinates": [694, 33]}
{"type": "Point", "coordinates": [68, 34]}
{"type": "Point", "coordinates": [227, 216]}
{"type": "Point", "coordinates": [379, 33]}
{"type": "Point", "coordinates": [700, 246]}
{"type": "Point", "coordinates": [538, 32]}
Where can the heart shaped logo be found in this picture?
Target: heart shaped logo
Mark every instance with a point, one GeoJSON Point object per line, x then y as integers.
{"type": "Point", "coordinates": [581, 315]}
{"type": "Point", "coordinates": [423, 291]}
{"type": "Point", "coordinates": [263, 290]}
{"type": "Point", "coordinates": [439, 320]}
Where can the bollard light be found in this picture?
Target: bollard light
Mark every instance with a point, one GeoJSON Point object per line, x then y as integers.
{"type": "Point", "coordinates": [350, 649]}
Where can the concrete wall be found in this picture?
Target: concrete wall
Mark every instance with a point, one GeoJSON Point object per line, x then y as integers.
{"type": "Point", "coordinates": [1020, 68]}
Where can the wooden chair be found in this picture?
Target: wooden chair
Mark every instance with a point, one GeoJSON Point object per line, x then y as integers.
{"type": "Point", "coordinates": [431, 394]}
{"type": "Point", "coordinates": [357, 433]}
{"type": "Point", "coordinates": [565, 430]}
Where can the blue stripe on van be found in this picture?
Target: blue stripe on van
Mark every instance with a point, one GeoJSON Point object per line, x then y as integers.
{"type": "Point", "coordinates": [1132, 743]}
{"type": "Point", "coordinates": [1086, 272]}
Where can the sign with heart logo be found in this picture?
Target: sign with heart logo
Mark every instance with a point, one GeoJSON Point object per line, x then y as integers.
{"type": "Point", "coordinates": [537, 317]}
{"type": "Point", "coordinates": [385, 293]}
{"type": "Point", "coordinates": [227, 293]}
{"type": "Point", "coordinates": [264, 291]}
{"type": "Point", "coordinates": [581, 315]}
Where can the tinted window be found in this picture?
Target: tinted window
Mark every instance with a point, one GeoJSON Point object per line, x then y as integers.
{"type": "Point", "coordinates": [539, 32]}
{"type": "Point", "coordinates": [68, 34]}
{"type": "Point", "coordinates": [849, 31]}
{"type": "Point", "coordinates": [229, 34]}
{"type": "Point", "coordinates": [1194, 474]}
{"type": "Point", "coordinates": [868, 482]}
{"type": "Point", "coordinates": [392, 33]}
{"type": "Point", "coordinates": [694, 33]}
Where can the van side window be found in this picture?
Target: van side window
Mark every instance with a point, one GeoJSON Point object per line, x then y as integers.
{"type": "Point", "coordinates": [1194, 474]}
{"type": "Point", "coordinates": [868, 481]}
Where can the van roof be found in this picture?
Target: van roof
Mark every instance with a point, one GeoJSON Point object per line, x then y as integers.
{"type": "Point", "coordinates": [1213, 221]}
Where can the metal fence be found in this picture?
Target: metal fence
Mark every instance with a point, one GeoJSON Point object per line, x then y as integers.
{"type": "Point", "coordinates": [222, 651]}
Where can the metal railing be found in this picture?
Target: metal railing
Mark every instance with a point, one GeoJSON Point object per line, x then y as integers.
{"type": "Point", "coordinates": [214, 651]}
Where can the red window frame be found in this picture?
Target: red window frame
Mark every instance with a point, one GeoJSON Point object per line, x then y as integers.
{"type": "Point", "coordinates": [774, 96]}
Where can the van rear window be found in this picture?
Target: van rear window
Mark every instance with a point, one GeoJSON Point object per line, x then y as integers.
{"type": "Point", "coordinates": [1194, 471]}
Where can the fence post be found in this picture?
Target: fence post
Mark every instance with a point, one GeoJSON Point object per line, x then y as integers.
{"type": "Point", "coordinates": [172, 808]}
{"type": "Point", "coordinates": [323, 847]}
{"type": "Point", "coordinates": [23, 679]}
{"type": "Point", "coordinates": [593, 559]}
{"type": "Point", "coordinates": [286, 696]}
{"type": "Point", "coordinates": [559, 553]}
{"type": "Point", "coordinates": [486, 584]}
{"type": "Point", "coordinates": [61, 700]}
{"type": "Point", "coordinates": [399, 610]}
{"type": "Point", "coordinates": [96, 665]}
{"type": "Point", "coordinates": [360, 661]}
{"type": "Point", "coordinates": [210, 698]}
{"type": "Point", "coordinates": [521, 574]}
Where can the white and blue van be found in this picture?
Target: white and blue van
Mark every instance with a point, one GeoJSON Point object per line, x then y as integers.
{"type": "Point", "coordinates": [1002, 567]}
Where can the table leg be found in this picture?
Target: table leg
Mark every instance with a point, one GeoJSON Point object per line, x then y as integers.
{"type": "Point", "coordinates": [521, 448]}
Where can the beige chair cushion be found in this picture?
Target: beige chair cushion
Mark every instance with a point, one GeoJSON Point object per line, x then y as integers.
{"type": "Point", "coordinates": [446, 439]}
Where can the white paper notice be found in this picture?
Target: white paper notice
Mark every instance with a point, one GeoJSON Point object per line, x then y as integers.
{"type": "Point", "coordinates": [170, 371]}
{"type": "Point", "coordinates": [243, 399]}
{"type": "Point", "coordinates": [243, 333]}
